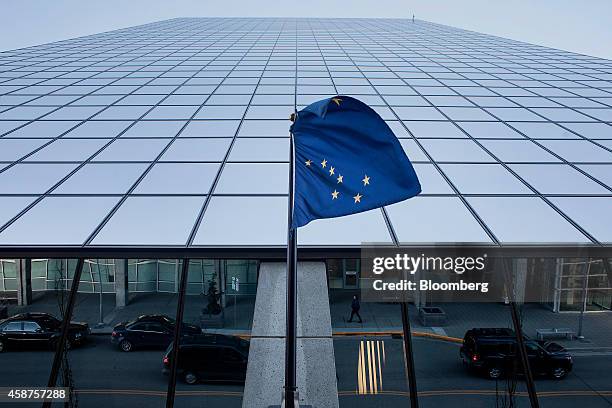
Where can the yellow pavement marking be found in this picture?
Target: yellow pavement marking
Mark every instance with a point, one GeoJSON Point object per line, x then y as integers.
{"type": "Point", "coordinates": [432, 393]}
{"type": "Point", "coordinates": [484, 393]}
{"type": "Point", "coordinates": [434, 336]}
{"type": "Point", "coordinates": [158, 393]}
{"type": "Point", "coordinates": [397, 332]}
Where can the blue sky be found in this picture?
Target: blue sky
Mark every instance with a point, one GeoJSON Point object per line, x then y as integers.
{"type": "Point", "coordinates": [579, 26]}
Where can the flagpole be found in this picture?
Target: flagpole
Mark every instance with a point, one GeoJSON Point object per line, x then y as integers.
{"type": "Point", "coordinates": [291, 399]}
{"type": "Point", "coordinates": [408, 355]}
{"type": "Point", "coordinates": [518, 332]}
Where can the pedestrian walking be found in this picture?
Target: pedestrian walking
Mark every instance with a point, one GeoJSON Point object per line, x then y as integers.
{"type": "Point", "coordinates": [355, 306]}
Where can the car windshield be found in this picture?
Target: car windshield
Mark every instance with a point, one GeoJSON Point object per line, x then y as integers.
{"type": "Point", "coordinates": [553, 347]}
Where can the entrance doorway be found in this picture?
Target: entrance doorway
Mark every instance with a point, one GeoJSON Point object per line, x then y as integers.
{"type": "Point", "coordinates": [350, 268]}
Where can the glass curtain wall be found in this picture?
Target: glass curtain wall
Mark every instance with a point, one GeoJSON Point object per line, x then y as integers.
{"type": "Point", "coordinates": [8, 277]}
{"type": "Point", "coordinates": [584, 285]}
{"type": "Point", "coordinates": [120, 354]}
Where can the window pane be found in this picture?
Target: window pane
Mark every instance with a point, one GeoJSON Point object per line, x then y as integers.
{"type": "Point", "coordinates": [413, 151]}
{"type": "Point", "coordinates": [147, 221]}
{"type": "Point", "coordinates": [115, 178]}
{"type": "Point", "coordinates": [14, 149]}
{"type": "Point", "coordinates": [591, 213]}
{"type": "Point", "coordinates": [132, 150]}
{"type": "Point", "coordinates": [490, 130]}
{"type": "Point", "coordinates": [461, 113]}
{"type": "Point", "coordinates": [543, 131]}
{"type": "Point", "coordinates": [211, 128]}
{"type": "Point", "coordinates": [256, 221]}
{"type": "Point", "coordinates": [350, 230]}
{"type": "Point", "coordinates": [431, 180]}
{"type": "Point", "coordinates": [98, 128]}
{"type": "Point", "coordinates": [578, 150]}
{"type": "Point", "coordinates": [434, 129]}
{"type": "Point", "coordinates": [197, 150]}
{"type": "Point", "coordinates": [178, 178]}
{"type": "Point", "coordinates": [557, 179]}
{"type": "Point", "coordinates": [518, 151]}
{"type": "Point", "coordinates": [526, 219]}
{"type": "Point", "coordinates": [441, 219]}
{"type": "Point", "coordinates": [455, 150]}
{"type": "Point", "coordinates": [43, 129]}
{"type": "Point", "coordinates": [484, 179]}
{"type": "Point", "coordinates": [221, 112]}
{"type": "Point", "coordinates": [67, 220]}
{"type": "Point", "coordinates": [591, 130]}
{"type": "Point", "coordinates": [263, 128]}
{"type": "Point", "coordinates": [68, 150]}
{"type": "Point", "coordinates": [602, 172]}
{"type": "Point", "coordinates": [273, 178]}
{"type": "Point", "coordinates": [32, 178]}
{"type": "Point", "coordinates": [154, 129]}
{"type": "Point", "coordinates": [260, 149]}
{"type": "Point", "coordinates": [11, 206]}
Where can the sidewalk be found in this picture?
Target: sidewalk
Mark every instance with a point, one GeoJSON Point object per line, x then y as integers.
{"type": "Point", "coordinates": [377, 317]}
{"type": "Point", "coordinates": [597, 327]}
{"type": "Point", "coordinates": [238, 316]}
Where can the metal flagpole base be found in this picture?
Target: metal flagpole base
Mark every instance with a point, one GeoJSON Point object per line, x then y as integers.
{"type": "Point", "coordinates": [296, 402]}
{"type": "Point", "coordinates": [296, 399]}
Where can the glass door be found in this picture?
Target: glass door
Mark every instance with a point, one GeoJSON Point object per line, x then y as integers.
{"type": "Point", "coordinates": [351, 273]}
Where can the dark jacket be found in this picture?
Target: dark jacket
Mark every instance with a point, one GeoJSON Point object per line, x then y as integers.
{"type": "Point", "coordinates": [355, 305]}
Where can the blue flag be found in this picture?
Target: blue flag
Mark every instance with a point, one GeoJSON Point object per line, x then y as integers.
{"type": "Point", "coordinates": [347, 160]}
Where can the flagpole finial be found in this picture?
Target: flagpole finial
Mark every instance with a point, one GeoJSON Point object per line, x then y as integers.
{"type": "Point", "coordinates": [292, 117]}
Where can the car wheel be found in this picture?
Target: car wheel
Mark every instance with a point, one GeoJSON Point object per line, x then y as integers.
{"type": "Point", "coordinates": [494, 373]}
{"type": "Point", "coordinates": [1, 346]}
{"type": "Point", "coordinates": [558, 373]}
{"type": "Point", "coordinates": [126, 346]}
{"type": "Point", "coordinates": [190, 378]}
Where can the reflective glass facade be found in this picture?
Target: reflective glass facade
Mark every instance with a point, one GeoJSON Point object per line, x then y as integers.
{"type": "Point", "coordinates": [175, 134]}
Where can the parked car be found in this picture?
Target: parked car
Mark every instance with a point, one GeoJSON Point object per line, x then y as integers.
{"type": "Point", "coordinates": [39, 330]}
{"type": "Point", "coordinates": [148, 331]}
{"type": "Point", "coordinates": [209, 358]}
{"type": "Point", "coordinates": [493, 351]}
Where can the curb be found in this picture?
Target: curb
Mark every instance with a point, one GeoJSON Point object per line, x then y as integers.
{"type": "Point", "coordinates": [398, 333]}
{"type": "Point", "coordinates": [433, 336]}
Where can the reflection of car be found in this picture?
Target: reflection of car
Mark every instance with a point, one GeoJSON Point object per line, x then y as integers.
{"type": "Point", "coordinates": [38, 330]}
{"type": "Point", "coordinates": [148, 331]}
{"type": "Point", "coordinates": [494, 352]}
{"type": "Point", "coordinates": [210, 358]}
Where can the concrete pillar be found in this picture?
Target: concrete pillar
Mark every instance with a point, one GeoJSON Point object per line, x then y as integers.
{"type": "Point", "coordinates": [24, 282]}
{"type": "Point", "coordinates": [316, 367]}
{"type": "Point", "coordinates": [519, 273]}
{"type": "Point", "coordinates": [177, 275]}
{"type": "Point", "coordinates": [121, 283]}
{"type": "Point", "coordinates": [221, 273]}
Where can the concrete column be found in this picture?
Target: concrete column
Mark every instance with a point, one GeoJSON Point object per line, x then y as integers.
{"type": "Point", "coordinates": [24, 282]}
{"type": "Point", "coordinates": [221, 273]}
{"type": "Point", "coordinates": [316, 368]}
{"type": "Point", "coordinates": [177, 275]}
{"type": "Point", "coordinates": [519, 273]}
{"type": "Point", "coordinates": [121, 283]}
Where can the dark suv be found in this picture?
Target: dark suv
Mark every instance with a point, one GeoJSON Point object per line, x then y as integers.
{"type": "Point", "coordinates": [210, 358]}
{"type": "Point", "coordinates": [38, 330]}
{"type": "Point", "coordinates": [494, 352]}
{"type": "Point", "coordinates": [148, 331]}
